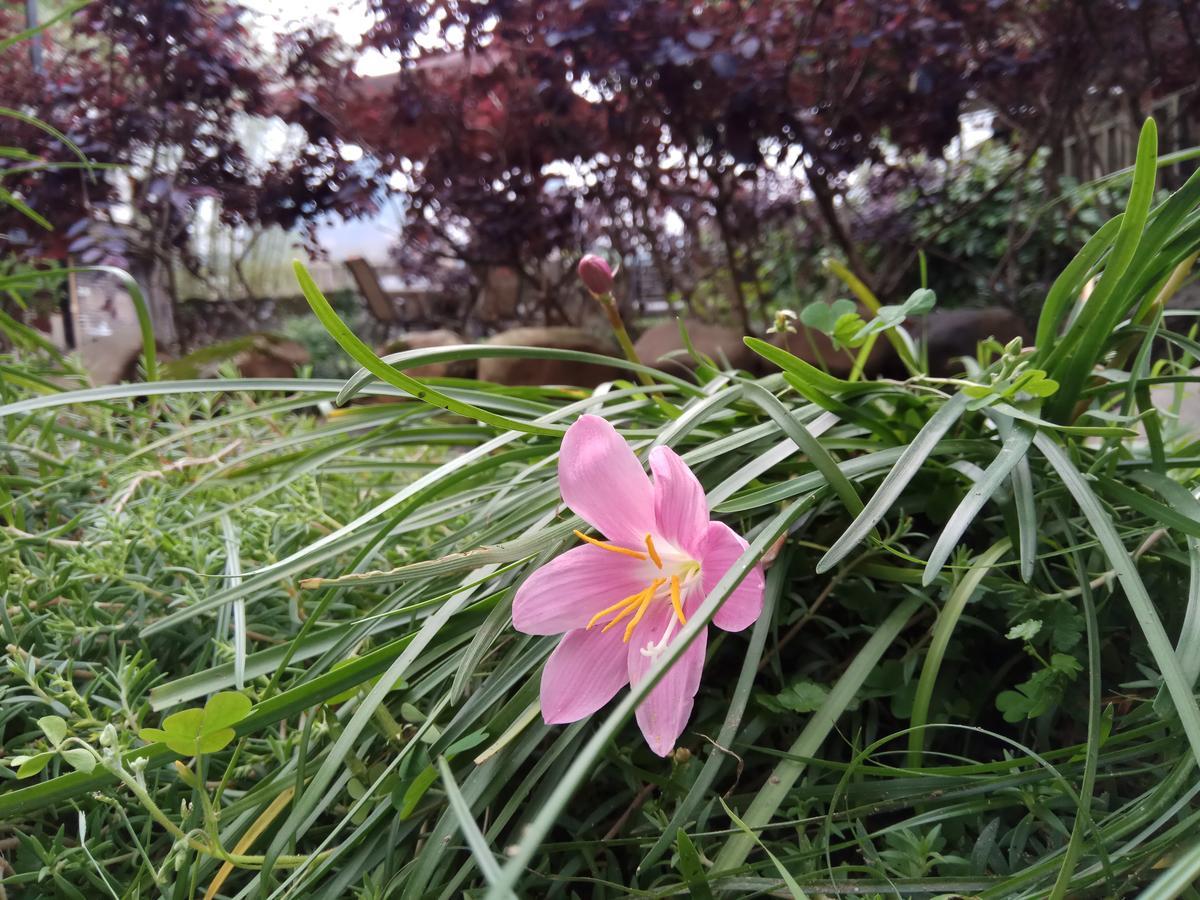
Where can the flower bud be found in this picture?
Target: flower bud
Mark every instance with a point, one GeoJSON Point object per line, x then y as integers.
{"type": "Point", "coordinates": [596, 274]}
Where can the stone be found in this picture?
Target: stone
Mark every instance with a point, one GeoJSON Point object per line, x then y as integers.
{"type": "Point", "coordinates": [527, 371]}
{"type": "Point", "coordinates": [271, 357]}
{"type": "Point", "coordinates": [953, 333]}
{"type": "Point", "coordinates": [428, 340]}
{"type": "Point", "coordinates": [662, 347]}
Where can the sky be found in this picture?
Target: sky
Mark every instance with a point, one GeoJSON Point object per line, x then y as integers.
{"type": "Point", "coordinates": [371, 238]}
{"type": "Point", "coordinates": [350, 18]}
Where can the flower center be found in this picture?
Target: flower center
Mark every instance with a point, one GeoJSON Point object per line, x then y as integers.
{"type": "Point", "coordinates": [673, 575]}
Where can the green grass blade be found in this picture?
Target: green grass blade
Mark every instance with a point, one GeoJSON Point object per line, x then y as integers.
{"type": "Point", "coordinates": [943, 629]}
{"type": "Point", "coordinates": [364, 356]}
{"type": "Point", "coordinates": [1083, 815]}
{"type": "Point", "coordinates": [1178, 879]}
{"type": "Point", "coordinates": [1073, 357]}
{"type": "Point", "coordinates": [233, 577]}
{"type": "Point", "coordinates": [407, 359]}
{"type": "Point", "coordinates": [1012, 452]}
{"type": "Point", "coordinates": [1135, 591]}
{"type": "Point", "coordinates": [784, 776]}
{"type": "Point", "coordinates": [809, 446]}
{"type": "Point", "coordinates": [792, 886]}
{"type": "Point", "coordinates": [909, 463]}
{"type": "Point", "coordinates": [480, 851]}
{"type": "Point", "coordinates": [776, 581]}
{"type": "Point", "coordinates": [1069, 282]}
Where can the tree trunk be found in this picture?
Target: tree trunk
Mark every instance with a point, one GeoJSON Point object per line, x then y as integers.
{"type": "Point", "coordinates": [150, 277]}
{"type": "Point", "coordinates": [741, 308]}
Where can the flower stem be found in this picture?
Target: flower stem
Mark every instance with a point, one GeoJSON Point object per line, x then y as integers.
{"type": "Point", "coordinates": [618, 327]}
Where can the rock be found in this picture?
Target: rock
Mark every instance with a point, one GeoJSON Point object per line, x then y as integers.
{"type": "Point", "coordinates": [526, 371]}
{"type": "Point", "coordinates": [271, 357]}
{"type": "Point", "coordinates": [662, 347]}
{"type": "Point", "coordinates": [953, 333]}
{"type": "Point", "coordinates": [426, 340]}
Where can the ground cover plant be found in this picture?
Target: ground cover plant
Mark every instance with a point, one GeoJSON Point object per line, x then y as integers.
{"type": "Point", "coordinates": [258, 649]}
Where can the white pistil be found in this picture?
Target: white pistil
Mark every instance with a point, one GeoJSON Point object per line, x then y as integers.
{"type": "Point", "coordinates": [652, 649]}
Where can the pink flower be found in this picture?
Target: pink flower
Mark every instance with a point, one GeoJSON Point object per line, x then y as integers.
{"type": "Point", "coordinates": [621, 602]}
{"type": "Point", "coordinates": [596, 274]}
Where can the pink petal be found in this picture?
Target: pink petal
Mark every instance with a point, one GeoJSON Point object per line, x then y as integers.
{"type": "Point", "coordinates": [566, 592]}
{"type": "Point", "coordinates": [680, 509]}
{"type": "Point", "coordinates": [664, 713]}
{"type": "Point", "coordinates": [584, 672]}
{"type": "Point", "coordinates": [721, 548]}
{"type": "Point", "coordinates": [603, 482]}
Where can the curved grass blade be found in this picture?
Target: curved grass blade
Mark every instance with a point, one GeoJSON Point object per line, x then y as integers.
{"type": "Point", "coordinates": [809, 446]}
{"type": "Point", "coordinates": [480, 850]}
{"type": "Point", "coordinates": [1135, 591]}
{"type": "Point", "coordinates": [407, 359]}
{"type": "Point", "coordinates": [947, 620]}
{"type": "Point", "coordinates": [784, 776]}
{"type": "Point", "coordinates": [233, 577]}
{"type": "Point", "coordinates": [1067, 285]}
{"type": "Point", "coordinates": [1074, 356]}
{"type": "Point", "coordinates": [1083, 815]}
{"type": "Point", "coordinates": [792, 886]}
{"type": "Point", "coordinates": [1023, 501]}
{"type": "Point", "coordinates": [49, 129]}
{"type": "Point", "coordinates": [1012, 452]}
{"type": "Point", "coordinates": [65, 13]}
{"type": "Point", "coordinates": [364, 356]}
{"type": "Point", "coordinates": [776, 581]}
{"type": "Point", "coordinates": [907, 466]}
{"type": "Point", "coordinates": [1178, 879]}
{"type": "Point", "coordinates": [145, 325]}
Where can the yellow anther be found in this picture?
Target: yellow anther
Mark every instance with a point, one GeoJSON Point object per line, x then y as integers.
{"type": "Point", "coordinates": [628, 601]}
{"type": "Point", "coordinates": [676, 600]}
{"type": "Point", "coordinates": [604, 545]}
{"type": "Point", "coordinates": [634, 603]}
{"type": "Point", "coordinates": [653, 553]}
{"type": "Point", "coordinates": [645, 605]}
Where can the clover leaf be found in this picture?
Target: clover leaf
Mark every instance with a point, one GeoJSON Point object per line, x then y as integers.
{"type": "Point", "coordinates": [54, 727]}
{"type": "Point", "coordinates": [919, 302]}
{"type": "Point", "coordinates": [824, 316]}
{"type": "Point", "coordinates": [192, 732]}
{"type": "Point", "coordinates": [28, 766]}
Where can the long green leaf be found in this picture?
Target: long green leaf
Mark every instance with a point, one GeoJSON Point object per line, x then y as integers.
{"type": "Point", "coordinates": [1073, 357]}
{"type": "Point", "coordinates": [910, 462]}
{"type": "Point", "coordinates": [366, 357]}
{"type": "Point", "coordinates": [784, 776]}
{"type": "Point", "coordinates": [809, 446]}
{"type": "Point", "coordinates": [776, 582]}
{"type": "Point", "coordinates": [943, 629]}
{"type": "Point", "coordinates": [1012, 452]}
{"type": "Point", "coordinates": [1135, 591]}
{"type": "Point", "coordinates": [1066, 287]}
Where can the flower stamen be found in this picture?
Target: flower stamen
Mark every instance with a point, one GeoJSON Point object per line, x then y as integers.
{"type": "Point", "coordinates": [631, 601]}
{"type": "Point", "coordinates": [653, 553]}
{"type": "Point", "coordinates": [604, 545]}
{"type": "Point", "coordinates": [676, 600]}
{"type": "Point", "coordinates": [635, 603]}
{"type": "Point", "coordinates": [649, 595]}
